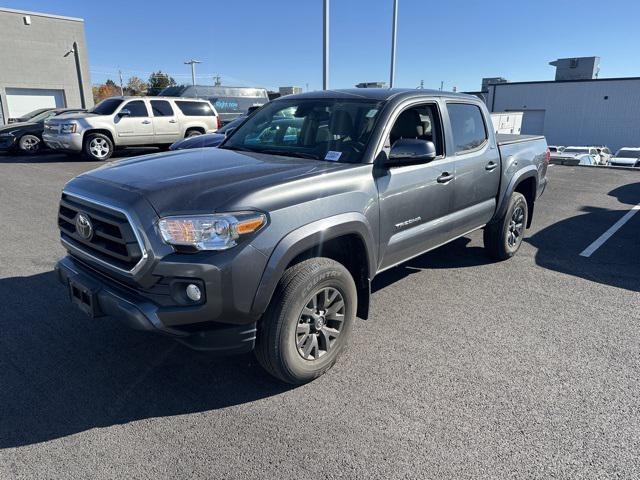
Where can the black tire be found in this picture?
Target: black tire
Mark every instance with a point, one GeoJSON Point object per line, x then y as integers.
{"type": "Point", "coordinates": [278, 345]}
{"type": "Point", "coordinates": [29, 144]}
{"type": "Point", "coordinates": [192, 133]}
{"type": "Point", "coordinates": [98, 147]}
{"type": "Point", "coordinates": [503, 238]}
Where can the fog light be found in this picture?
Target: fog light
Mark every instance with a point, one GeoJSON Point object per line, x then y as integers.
{"type": "Point", "coordinates": [193, 292]}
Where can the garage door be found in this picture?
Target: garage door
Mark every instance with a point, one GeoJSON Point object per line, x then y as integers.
{"type": "Point", "coordinates": [25, 100]}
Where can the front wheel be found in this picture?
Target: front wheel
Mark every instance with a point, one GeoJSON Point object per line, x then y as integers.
{"type": "Point", "coordinates": [308, 322]}
{"type": "Point", "coordinates": [29, 144]}
{"type": "Point", "coordinates": [98, 147]}
{"type": "Point", "coordinates": [503, 238]}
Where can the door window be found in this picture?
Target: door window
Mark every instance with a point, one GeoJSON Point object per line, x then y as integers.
{"type": "Point", "coordinates": [195, 109]}
{"type": "Point", "coordinates": [467, 125]}
{"type": "Point", "coordinates": [137, 108]}
{"type": "Point", "coordinates": [421, 122]}
{"type": "Point", "coordinates": [161, 108]}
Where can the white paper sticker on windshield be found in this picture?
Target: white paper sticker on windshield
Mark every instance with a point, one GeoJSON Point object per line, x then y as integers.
{"type": "Point", "coordinates": [332, 156]}
{"type": "Point", "coordinates": [372, 113]}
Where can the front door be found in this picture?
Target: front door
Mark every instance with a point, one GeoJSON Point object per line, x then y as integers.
{"type": "Point", "coordinates": [415, 198]}
{"type": "Point", "coordinates": [477, 167]}
{"type": "Point", "coordinates": [165, 122]}
{"type": "Point", "coordinates": [136, 126]}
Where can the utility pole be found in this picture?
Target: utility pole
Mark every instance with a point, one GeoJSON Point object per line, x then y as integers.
{"type": "Point", "coordinates": [325, 46]}
{"type": "Point", "coordinates": [394, 26]}
{"type": "Point", "coordinates": [121, 87]}
{"type": "Point", "coordinates": [441, 85]}
{"type": "Point", "coordinates": [193, 62]}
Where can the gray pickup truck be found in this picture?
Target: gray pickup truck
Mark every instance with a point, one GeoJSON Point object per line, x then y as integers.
{"type": "Point", "coordinates": [271, 241]}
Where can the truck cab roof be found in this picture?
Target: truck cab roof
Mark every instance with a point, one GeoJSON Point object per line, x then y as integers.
{"type": "Point", "coordinates": [381, 94]}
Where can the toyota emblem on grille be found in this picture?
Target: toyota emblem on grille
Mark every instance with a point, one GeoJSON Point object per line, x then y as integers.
{"type": "Point", "coordinates": [84, 226]}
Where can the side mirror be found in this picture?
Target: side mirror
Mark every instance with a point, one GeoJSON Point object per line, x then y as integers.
{"type": "Point", "coordinates": [229, 131]}
{"type": "Point", "coordinates": [407, 151]}
{"type": "Point", "coordinates": [124, 113]}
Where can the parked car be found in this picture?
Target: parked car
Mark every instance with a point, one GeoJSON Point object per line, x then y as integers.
{"type": "Point", "coordinates": [26, 137]}
{"type": "Point", "coordinates": [576, 152]}
{"type": "Point", "coordinates": [28, 116]}
{"type": "Point", "coordinates": [209, 139]}
{"type": "Point", "coordinates": [230, 102]}
{"type": "Point", "coordinates": [626, 157]}
{"type": "Point", "coordinates": [272, 244]}
{"type": "Point", "coordinates": [130, 121]}
{"type": "Point", "coordinates": [555, 150]}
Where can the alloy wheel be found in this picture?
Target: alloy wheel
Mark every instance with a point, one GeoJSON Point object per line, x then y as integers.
{"type": "Point", "coordinates": [516, 227]}
{"type": "Point", "coordinates": [99, 148]}
{"type": "Point", "coordinates": [320, 323]}
{"type": "Point", "coordinates": [30, 143]}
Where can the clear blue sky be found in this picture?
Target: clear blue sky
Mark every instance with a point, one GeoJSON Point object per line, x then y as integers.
{"type": "Point", "coordinates": [279, 42]}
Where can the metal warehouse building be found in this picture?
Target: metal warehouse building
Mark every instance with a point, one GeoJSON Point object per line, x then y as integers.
{"type": "Point", "coordinates": [574, 112]}
{"type": "Point", "coordinates": [43, 63]}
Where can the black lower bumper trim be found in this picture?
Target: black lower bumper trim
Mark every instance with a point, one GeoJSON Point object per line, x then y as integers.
{"type": "Point", "coordinates": [140, 314]}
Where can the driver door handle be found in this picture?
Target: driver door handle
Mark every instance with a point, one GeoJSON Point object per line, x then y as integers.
{"type": "Point", "coordinates": [445, 177]}
{"type": "Point", "coordinates": [491, 165]}
{"type": "Point", "coordinates": [173, 121]}
{"type": "Point", "coordinates": [146, 122]}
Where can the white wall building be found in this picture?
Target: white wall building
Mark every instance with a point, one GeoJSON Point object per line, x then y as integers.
{"type": "Point", "coordinates": [602, 111]}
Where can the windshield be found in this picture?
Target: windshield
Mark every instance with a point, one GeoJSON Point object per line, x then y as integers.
{"type": "Point", "coordinates": [107, 106]}
{"type": "Point", "coordinates": [624, 153]}
{"type": "Point", "coordinates": [576, 150]}
{"type": "Point", "coordinates": [43, 116]}
{"type": "Point", "coordinates": [334, 130]}
{"type": "Point", "coordinates": [34, 113]}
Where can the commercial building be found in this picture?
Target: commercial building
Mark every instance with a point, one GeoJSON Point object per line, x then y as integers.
{"type": "Point", "coordinates": [574, 111]}
{"type": "Point", "coordinates": [43, 63]}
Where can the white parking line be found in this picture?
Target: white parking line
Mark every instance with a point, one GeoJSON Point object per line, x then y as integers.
{"type": "Point", "coordinates": [606, 235]}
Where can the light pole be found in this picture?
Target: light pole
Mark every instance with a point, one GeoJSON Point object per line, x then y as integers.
{"type": "Point", "coordinates": [325, 45]}
{"type": "Point", "coordinates": [193, 62]}
{"type": "Point", "coordinates": [394, 26]}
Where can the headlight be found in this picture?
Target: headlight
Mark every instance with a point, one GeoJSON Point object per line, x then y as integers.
{"type": "Point", "coordinates": [68, 128]}
{"type": "Point", "coordinates": [210, 232]}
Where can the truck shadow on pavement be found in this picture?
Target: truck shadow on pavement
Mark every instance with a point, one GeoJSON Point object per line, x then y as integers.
{"type": "Point", "coordinates": [62, 373]}
{"type": "Point", "coordinates": [615, 263]}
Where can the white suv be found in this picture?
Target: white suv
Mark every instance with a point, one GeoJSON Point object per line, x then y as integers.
{"type": "Point", "coordinates": [130, 121]}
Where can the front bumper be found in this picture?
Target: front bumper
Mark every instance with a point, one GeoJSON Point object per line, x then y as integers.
{"type": "Point", "coordinates": [8, 143]}
{"type": "Point", "coordinates": [71, 142]}
{"type": "Point", "coordinates": [109, 298]}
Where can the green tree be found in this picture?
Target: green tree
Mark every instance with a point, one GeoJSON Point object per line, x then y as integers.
{"type": "Point", "coordinates": [159, 80]}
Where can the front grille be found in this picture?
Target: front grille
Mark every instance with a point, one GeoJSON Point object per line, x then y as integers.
{"type": "Point", "coordinates": [113, 240]}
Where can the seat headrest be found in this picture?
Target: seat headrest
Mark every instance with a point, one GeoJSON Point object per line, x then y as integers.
{"type": "Point", "coordinates": [408, 125]}
{"type": "Point", "coordinates": [341, 123]}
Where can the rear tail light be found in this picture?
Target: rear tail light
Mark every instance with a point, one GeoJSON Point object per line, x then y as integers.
{"type": "Point", "coordinates": [547, 156]}
{"type": "Point", "coordinates": [219, 122]}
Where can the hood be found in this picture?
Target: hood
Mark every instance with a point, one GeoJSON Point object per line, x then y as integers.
{"type": "Point", "coordinates": [205, 180]}
{"type": "Point", "coordinates": [65, 117]}
{"type": "Point", "coordinates": [16, 126]}
{"type": "Point", "coordinates": [199, 141]}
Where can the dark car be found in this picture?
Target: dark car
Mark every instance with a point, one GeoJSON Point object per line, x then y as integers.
{"type": "Point", "coordinates": [28, 116]}
{"type": "Point", "coordinates": [209, 139]}
{"type": "Point", "coordinates": [26, 137]}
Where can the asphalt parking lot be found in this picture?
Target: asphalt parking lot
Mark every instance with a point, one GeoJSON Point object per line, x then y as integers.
{"type": "Point", "coordinates": [527, 368]}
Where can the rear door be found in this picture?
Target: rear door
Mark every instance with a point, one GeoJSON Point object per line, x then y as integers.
{"type": "Point", "coordinates": [477, 165]}
{"type": "Point", "coordinates": [137, 127]}
{"type": "Point", "coordinates": [165, 121]}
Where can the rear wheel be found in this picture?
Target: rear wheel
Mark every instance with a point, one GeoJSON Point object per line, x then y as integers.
{"type": "Point", "coordinates": [503, 238]}
{"type": "Point", "coordinates": [192, 133]}
{"type": "Point", "coordinates": [308, 321]}
{"type": "Point", "coordinates": [98, 147]}
{"type": "Point", "coordinates": [29, 144]}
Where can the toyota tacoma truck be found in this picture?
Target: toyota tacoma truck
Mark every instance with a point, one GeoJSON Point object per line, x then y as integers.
{"type": "Point", "coordinates": [270, 242]}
